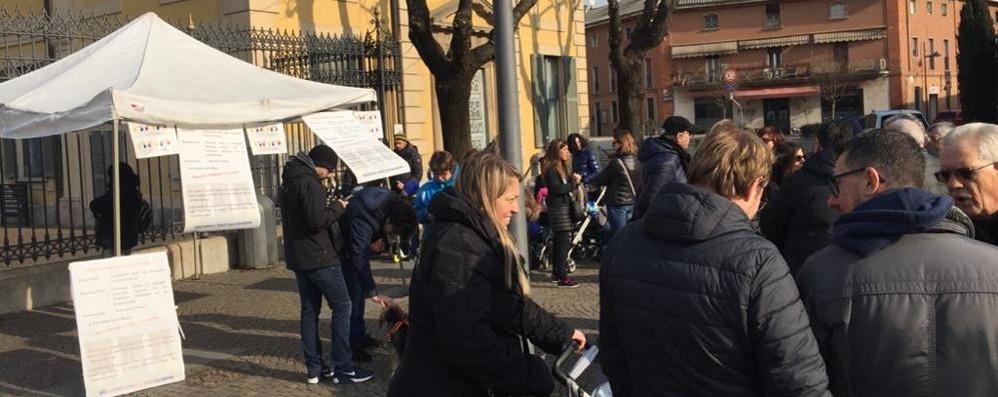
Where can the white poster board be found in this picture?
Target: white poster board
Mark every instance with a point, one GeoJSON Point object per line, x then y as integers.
{"type": "Point", "coordinates": [478, 121]}
{"type": "Point", "coordinates": [127, 324]}
{"type": "Point", "coordinates": [372, 122]}
{"type": "Point", "coordinates": [152, 140]}
{"type": "Point", "coordinates": [367, 157]}
{"type": "Point", "coordinates": [216, 181]}
{"type": "Point", "coordinates": [267, 139]}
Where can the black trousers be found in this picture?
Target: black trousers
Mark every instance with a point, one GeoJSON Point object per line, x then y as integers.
{"type": "Point", "coordinates": [559, 253]}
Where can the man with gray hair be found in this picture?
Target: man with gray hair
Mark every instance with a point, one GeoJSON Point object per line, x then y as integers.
{"type": "Point", "coordinates": [937, 132]}
{"type": "Point", "coordinates": [913, 127]}
{"type": "Point", "coordinates": [967, 167]}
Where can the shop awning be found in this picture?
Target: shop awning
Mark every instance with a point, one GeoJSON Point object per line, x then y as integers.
{"type": "Point", "coordinates": [698, 50]}
{"type": "Point", "coordinates": [774, 42]}
{"type": "Point", "coordinates": [856, 35]}
{"type": "Point", "coordinates": [777, 92]}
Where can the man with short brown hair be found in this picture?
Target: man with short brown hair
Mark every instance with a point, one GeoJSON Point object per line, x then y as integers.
{"type": "Point", "coordinates": [694, 302]}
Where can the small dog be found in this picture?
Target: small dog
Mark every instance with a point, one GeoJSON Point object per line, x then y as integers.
{"type": "Point", "coordinates": [397, 321]}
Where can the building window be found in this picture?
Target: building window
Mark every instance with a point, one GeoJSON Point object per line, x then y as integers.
{"type": "Point", "coordinates": [648, 76]}
{"type": "Point", "coordinates": [837, 10]}
{"type": "Point", "coordinates": [912, 7]}
{"type": "Point", "coordinates": [772, 15]}
{"type": "Point", "coordinates": [931, 51]}
{"type": "Point", "coordinates": [593, 40]}
{"type": "Point", "coordinates": [710, 21]}
{"type": "Point", "coordinates": [840, 53]}
{"type": "Point", "coordinates": [555, 97]}
{"type": "Point", "coordinates": [650, 104]}
{"type": "Point", "coordinates": [914, 46]}
{"type": "Point", "coordinates": [943, 9]}
{"type": "Point", "coordinates": [946, 55]}
{"type": "Point", "coordinates": [613, 112]}
{"type": "Point", "coordinates": [918, 98]}
{"type": "Point", "coordinates": [928, 7]}
{"type": "Point", "coordinates": [713, 69]}
{"type": "Point", "coordinates": [613, 79]}
{"type": "Point", "coordinates": [773, 58]}
{"type": "Point", "coordinates": [595, 78]}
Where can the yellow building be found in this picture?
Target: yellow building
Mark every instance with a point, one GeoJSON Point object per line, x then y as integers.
{"type": "Point", "coordinates": [550, 50]}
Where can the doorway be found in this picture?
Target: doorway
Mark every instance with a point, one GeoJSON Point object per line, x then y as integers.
{"type": "Point", "coordinates": [776, 112]}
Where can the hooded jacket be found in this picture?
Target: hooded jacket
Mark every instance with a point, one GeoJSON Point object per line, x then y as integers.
{"type": "Point", "coordinates": [662, 161]}
{"type": "Point", "coordinates": [903, 301]}
{"type": "Point", "coordinates": [694, 303]}
{"type": "Point", "coordinates": [425, 193]}
{"type": "Point", "coordinates": [797, 218]}
{"type": "Point", "coordinates": [307, 217]}
{"type": "Point", "coordinates": [362, 222]}
{"type": "Point", "coordinates": [465, 324]}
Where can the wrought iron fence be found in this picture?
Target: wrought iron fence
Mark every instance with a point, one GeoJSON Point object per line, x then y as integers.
{"type": "Point", "coordinates": [47, 184]}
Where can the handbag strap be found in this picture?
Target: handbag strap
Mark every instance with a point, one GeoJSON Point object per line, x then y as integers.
{"type": "Point", "coordinates": [628, 175]}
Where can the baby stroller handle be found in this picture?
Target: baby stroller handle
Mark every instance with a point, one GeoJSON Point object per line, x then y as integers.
{"type": "Point", "coordinates": [556, 370]}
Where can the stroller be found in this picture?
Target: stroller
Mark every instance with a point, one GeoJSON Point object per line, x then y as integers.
{"type": "Point", "coordinates": [587, 239]}
{"type": "Point", "coordinates": [569, 379]}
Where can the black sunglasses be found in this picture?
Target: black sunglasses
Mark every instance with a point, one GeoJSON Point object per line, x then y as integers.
{"type": "Point", "coordinates": [963, 174]}
{"type": "Point", "coordinates": [833, 182]}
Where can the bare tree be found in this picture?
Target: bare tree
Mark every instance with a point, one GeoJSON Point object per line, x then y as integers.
{"type": "Point", "coordinates": [454, 68]}
{"type": "Point", "coordinates": [834, 86]}
{"type": "Point", "coordinates": [627, 62]}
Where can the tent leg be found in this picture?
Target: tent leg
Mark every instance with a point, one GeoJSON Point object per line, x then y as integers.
{"type": "Point", "coordinates": [115, 149]}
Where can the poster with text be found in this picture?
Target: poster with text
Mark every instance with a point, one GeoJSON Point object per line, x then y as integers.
{"type": "Point", "coordinates": [371, 121]}
{"type": "Point", "coordinates": [367, 157]}
{"type": "Point", "coordinates": [267, 139]}
{"type": "Point", "coordinates": [127, 324]}
{"type": "Point", "coordinates": [152, 140]}
{"type": "Point", "coordinates": [216, 181]}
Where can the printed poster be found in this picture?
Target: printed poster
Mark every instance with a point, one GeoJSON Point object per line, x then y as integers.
{"type": "Point", "coordinates": [216, 181]}
{"type": "Point", "coordinates": [367, 157]}
{"type": "Point", "coordinates": [372, 123]}
{"type": "Point", "coordinates": [267, 139]}
{"type": "Point", "coordinates": [152, 140]}
{"type": "Point", "coordinates": [127, 324]}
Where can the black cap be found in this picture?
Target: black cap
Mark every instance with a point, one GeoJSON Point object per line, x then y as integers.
{"type": "Point", "coordinates": [323, 156]}
{"type": "Point", "coordinates": [676, 124]}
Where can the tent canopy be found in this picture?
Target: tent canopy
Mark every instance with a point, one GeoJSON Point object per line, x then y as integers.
{"type": "Point", "coordinates": [150, 72]}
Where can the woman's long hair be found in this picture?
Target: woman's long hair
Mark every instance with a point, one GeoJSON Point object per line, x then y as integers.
{"type": "Point", "coordinates": [552, 158]}
{"type": "Point", "coordinates": [628, 145]}
{"type": "Point", "coordinates": [483, 179]}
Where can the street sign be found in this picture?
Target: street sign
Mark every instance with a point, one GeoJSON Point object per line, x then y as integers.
{"type": "Point", "coordinates": [730, 79]}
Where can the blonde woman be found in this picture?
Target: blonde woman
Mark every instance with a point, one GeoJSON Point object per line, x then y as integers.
{"type": "Point", "coordinates": [469, 304]}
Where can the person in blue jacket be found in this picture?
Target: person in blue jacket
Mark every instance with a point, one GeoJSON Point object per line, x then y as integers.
{"type": "Point", "coordinates": [373, 214]}
{"type": "Point", "coordinates": [442, 167]}
{"type": "Point", "coordinates": [583, 159]}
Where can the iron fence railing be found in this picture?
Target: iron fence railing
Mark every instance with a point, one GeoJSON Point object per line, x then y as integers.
{"type": "Point", "coordinates": [47, 184]}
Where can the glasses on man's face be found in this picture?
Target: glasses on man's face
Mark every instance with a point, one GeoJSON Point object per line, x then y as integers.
{"type": "Point", "coordinates": [833, 182]}
{"type": "Point", "coordinates": [963, 174]}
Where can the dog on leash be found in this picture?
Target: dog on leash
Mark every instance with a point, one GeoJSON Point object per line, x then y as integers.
{"type": "Point", "coordinates": [397, 321]}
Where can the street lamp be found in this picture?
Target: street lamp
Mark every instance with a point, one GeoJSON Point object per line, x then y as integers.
{"type": "Point", "coordinates": [925, 77]}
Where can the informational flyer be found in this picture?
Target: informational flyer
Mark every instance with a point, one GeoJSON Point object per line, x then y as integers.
{"type": "Point", "coordinates": [267, 139]}
{"type": "Point", "coordinates": [127, 324]}
{"type": "Point", "coordinates": [372, 122]}
{"type": "Point", "coordinates": [216, 181]}
{"type": "Point", "coordinates": [152, 140]}
{"type": "Point", "coordinates": [367, 157]}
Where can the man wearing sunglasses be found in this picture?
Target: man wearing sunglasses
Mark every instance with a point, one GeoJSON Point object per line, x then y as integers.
{"type": "Point", "coordinates": [902, 302]}
{"type": "Point", "coordinates": [967, 167]}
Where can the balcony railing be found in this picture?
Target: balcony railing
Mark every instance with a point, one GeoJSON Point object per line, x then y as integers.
{"type": "Point", "coordinates": [762, 75]}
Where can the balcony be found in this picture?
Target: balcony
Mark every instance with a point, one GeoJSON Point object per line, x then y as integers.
{"type": "Point", "coordinates": [754, 75]}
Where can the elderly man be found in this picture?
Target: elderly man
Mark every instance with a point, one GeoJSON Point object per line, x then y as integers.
{"type": "Point", "coordinates": [902, 303]}
{"type": "Point", "coordinates": [937, 132]}
{"type": "Point", "coordinates": [967, 167]}
{"type": "Point", "coordinates": [914, 128]}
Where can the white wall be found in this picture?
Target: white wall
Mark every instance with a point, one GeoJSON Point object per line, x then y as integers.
{"type": "Point", "coordinates": [682, 104]}
{"type": "Point", "coordinates": [876, 95]}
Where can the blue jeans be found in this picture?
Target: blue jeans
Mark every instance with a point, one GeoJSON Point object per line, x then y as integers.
{"type": "Point", "coordinates": [313, 285]}
{"type": "Point", "coordinates": [357, 327]}
{"type": "Point", "coordinates": [617, 217]}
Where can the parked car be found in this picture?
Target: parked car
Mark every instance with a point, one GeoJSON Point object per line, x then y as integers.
{"type": "Point", "coordinates": [876, 119]}
{"type": "Point", "coordinates": [953, 116]}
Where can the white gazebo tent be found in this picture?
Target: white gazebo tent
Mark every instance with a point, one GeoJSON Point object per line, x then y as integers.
{"type": "Point", "coordinates": [150, 72]}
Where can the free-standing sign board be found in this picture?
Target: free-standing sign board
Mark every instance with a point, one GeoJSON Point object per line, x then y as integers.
{"type": "Point", "coordinates": [127, 324]}
{"type": "Point", "coordinates": [217, 183]}
{"type": "Point", "coordinates": [351, 139]}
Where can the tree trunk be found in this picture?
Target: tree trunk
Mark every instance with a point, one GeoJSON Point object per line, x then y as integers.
{"type": "Point", "coordinates": [629, 94]}
{"type": "Point", "coordinates": [453, 98]}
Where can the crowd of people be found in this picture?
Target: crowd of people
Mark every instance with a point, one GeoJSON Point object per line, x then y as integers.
{"type": "Point", "coordinates": [748, 267]}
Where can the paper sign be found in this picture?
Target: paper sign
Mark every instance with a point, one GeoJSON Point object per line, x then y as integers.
{"type": "Point", "coordinates": [127, 324]}
{"type": "Point", "coordinates": [267, 139]}
{"type": "Point", "coordinates": [371, 122]}
{"type": "Point", "coordinates": [152, 140]}
{"type": "Point", "coordinates": [367, 157]}
{"type": "Point", "coordinates": [216, 181]}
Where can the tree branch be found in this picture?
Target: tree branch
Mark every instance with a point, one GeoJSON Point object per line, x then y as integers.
{"type": "Point", "coordinates": [520, 10]}
{"type": "Point", "coordinates": [484, 13]}
{"type": "Point", "coordinates": [616, 41]}
{"type": "Point", "coordinates": [651, 27]}
{"type": "Point", "coordinates": [421, 35]}
{"type": "Point", "coordinates": [460, 41]}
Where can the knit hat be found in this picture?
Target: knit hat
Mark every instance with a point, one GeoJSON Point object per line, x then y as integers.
{"type": "Point", "coordinates": [401, 137]}
{"type": "Point", "coordinates": [323, 156]}
{"type": "Point", "coordinates": [676, 124]}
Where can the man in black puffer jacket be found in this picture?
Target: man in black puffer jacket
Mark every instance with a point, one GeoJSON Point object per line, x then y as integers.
{"type": "Point", "coordinates": [903, 301]}
{"type": "Point", "coordinates": [798, 219]}
{"type": "Point", "coordinates": [663, 160]}
{"type": "Point", "coordinates": [693, 302]}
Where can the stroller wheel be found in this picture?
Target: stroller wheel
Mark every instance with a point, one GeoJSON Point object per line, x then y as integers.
{"type": "Point", "coordinates": [571, 265]}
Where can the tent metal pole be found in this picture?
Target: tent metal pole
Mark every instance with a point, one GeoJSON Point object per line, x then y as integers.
{"type": "Point", "coordinates": [117, 184]}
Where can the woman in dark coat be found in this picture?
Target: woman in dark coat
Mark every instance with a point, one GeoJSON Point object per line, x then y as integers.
{"type": "Point", "coordinates": [584, 162]}
{"type": "Point", "coordinates": [469, 307]}
{"type": "Point", "coordinates": [622, 177]}
{"type": "Point", "coordinates": [563, 190]}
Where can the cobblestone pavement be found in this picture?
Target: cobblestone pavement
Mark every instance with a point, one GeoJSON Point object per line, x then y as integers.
{"type": "Point", "coordinates": [242, 337]}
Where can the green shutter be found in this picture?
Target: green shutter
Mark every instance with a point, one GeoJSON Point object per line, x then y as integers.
{"type": "Point", "coordinates": [571, 95]}
{"type": "Point", "coordinates": [540, 102]}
